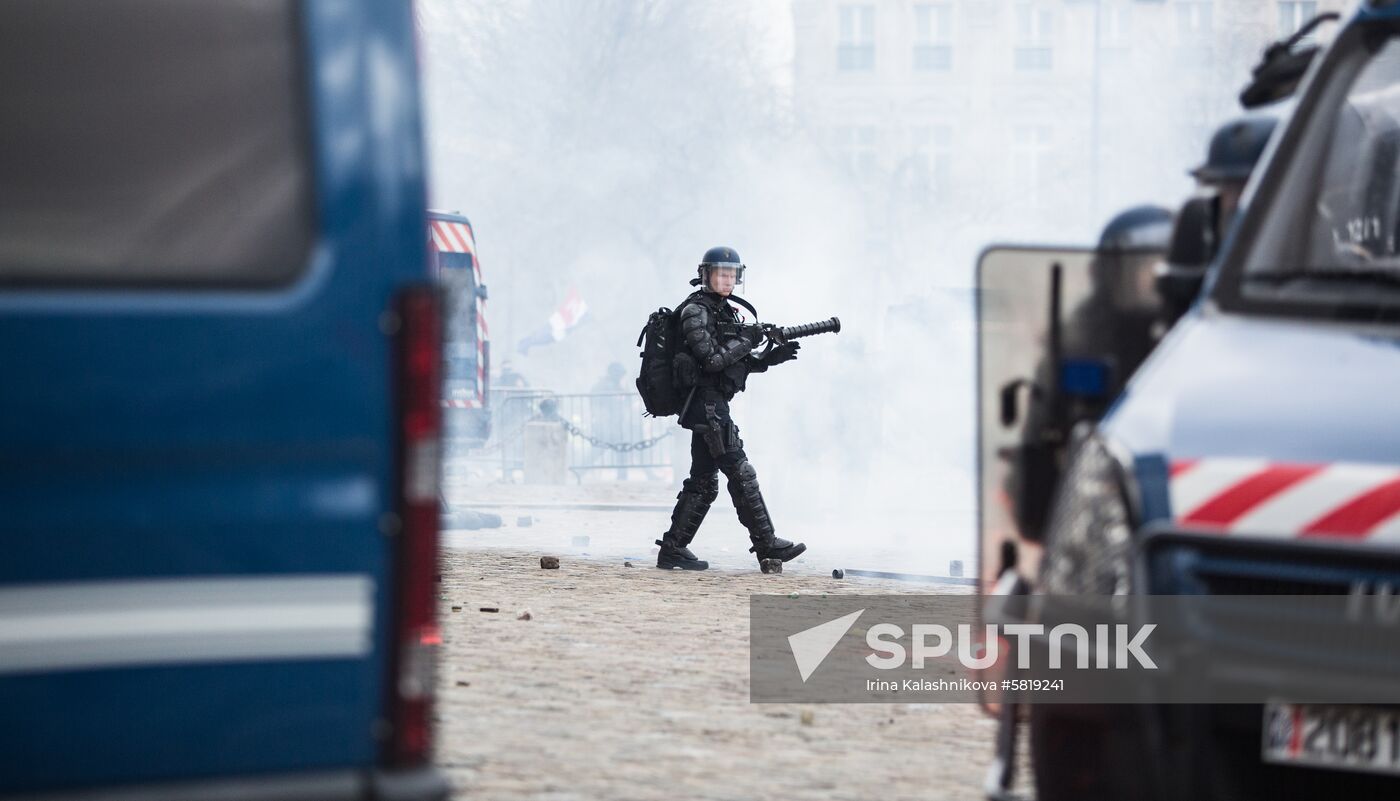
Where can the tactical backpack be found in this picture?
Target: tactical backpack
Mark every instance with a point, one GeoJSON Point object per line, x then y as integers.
{"type": "Point", "coordinates": [655, 382]}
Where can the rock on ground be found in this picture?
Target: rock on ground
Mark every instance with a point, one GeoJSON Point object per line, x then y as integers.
{"type": "Point", "coordinates": [634, 684]}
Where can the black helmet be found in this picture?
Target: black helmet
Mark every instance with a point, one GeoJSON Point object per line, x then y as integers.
{"type": "Point", "coordinates": [1138, 228]}
{"type": "Point", "coordinates": [1235, 148]}
{"type": "Point", "coordinates": [719, 257]}
{"type": "Point", "coordinates": [1125, 261]}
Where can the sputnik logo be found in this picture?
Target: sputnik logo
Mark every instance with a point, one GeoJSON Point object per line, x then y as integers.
{"type": "Point", "coordinates": [811, 647]}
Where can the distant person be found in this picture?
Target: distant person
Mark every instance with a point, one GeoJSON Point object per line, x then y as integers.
{"type": "Point", "coordinates": [509, 379]}
{"type": "Point", "coordinates": [612, 380]}
{"type": "Point", "coordinates": [713, 361]}
{"type": "Point", "coordinates": [608, 408]}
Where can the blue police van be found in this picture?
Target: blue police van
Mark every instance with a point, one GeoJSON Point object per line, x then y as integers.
{"type": "Point", "coordinates": [1255, 452]}
{"type": "Point", "coordinates": [219, 403]}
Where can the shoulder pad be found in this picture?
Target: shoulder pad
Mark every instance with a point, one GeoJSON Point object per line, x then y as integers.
{"type": "Point", "coordinates": [694, 311]}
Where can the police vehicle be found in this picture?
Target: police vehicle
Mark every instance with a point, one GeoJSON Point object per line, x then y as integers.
{"type": "Point", "coordinates": [219, 403]}
{"type": "Point", "coordinates": [1255, 452]}
{"type": "Point", "coordinates": [466, 367]}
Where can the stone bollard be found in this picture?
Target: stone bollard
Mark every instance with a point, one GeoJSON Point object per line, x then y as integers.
{"type": "Point", "coordinates": [546, 453]}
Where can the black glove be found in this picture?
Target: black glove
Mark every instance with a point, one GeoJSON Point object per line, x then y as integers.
{"type": "Point", "coordinates": [782, 353]}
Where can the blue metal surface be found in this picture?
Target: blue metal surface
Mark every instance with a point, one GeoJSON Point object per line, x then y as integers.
{"type": "Point", "coordinates": [1389, 9]}
{"type": "Point", "coordinates": [1286, 390]}
{"type": "Point", "coordinates": [178, 433]}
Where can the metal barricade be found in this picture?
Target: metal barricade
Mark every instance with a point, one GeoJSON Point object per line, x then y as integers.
{"type": "Point", "coordinates": [609, 437]}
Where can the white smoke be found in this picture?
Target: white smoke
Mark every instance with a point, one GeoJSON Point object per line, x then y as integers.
{"type": "Point", "coordinates": [607, 144]}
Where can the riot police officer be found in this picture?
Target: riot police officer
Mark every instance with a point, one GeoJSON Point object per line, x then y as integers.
{"type": "Point", "coordinates": [1203, 220]}
{"type": "Point", "coordinates": [1234, 150]}
{"type": "Point", "coordinates": [1111, 329]}
{"type": "Point", "coordinates": [714, 357]}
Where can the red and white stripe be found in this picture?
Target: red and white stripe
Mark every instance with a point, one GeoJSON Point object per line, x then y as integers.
{"type": "Point", "coordinates": [462, 403]}
{"type": "Point", "coordinates": [481, 335]}
{"type": "Point", "coordinates": [1255, 497]}
{"type": "Point", "coordinates": [452, 237]}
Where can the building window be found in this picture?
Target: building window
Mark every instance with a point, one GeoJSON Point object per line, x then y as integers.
{"type": "Point", "coordinates": [933, 39]}
{"type": "Point", "coordinates": [933, 160]}
{"type": "Point", "coordinates": [1115, 27]}
{"type": "Point", "coordinates": [855, 47]}
{"type": "Point", "coordinates": [1293, 14]}
{"type": "Point", "coordinates": [855, 148]}
{"type": "Point", "coordinates": [1115, 35]}
{"type": "Point", "coordinates": [1030, 157]}
{"type": "Point", "coordinates": [1034, 32]}
{"type": "Point", "coordinates": [1193, 19]}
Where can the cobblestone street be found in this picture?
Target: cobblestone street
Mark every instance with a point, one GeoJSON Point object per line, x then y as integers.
{"type": "Point", "coordinates": [630, 682]}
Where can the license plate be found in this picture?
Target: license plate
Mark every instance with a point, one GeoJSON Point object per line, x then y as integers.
{"type": "Point", "coordinates": [1356, 738]}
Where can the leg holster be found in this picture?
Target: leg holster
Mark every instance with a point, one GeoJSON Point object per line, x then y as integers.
{"type": "Point", "coordinates": [715, 432]}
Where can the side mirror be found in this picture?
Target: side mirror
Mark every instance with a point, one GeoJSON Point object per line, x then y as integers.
{"type": "Point", "coordinates": [481, 292]}
{"type": "Point", "coordinates": [1192, 249]}
{"type": "Point", "coordinates": [1282, 67]}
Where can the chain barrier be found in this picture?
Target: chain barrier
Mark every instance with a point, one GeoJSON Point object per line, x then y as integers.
{"type": "Point", "coordinates": [621, 447]}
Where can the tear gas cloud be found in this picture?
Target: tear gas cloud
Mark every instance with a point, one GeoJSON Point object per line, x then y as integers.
{"type": "Point", "coordinates": [605, 145]}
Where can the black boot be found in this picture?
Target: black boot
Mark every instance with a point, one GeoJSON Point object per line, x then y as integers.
{"type": "Point", "coordinates": [672, 556]}
{"type": "Point", "coordinates": [692, 503]}
{"type": "Point", "coordinates": [777, 548]}
{"type": "Point", "coordinates": [753, 514]}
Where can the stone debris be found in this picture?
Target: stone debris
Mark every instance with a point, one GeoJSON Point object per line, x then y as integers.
{"type": "Point", "coordinates": [549, 562]}
{"type": "Point", "coordinates": [490, 609]}
{"type": "Point", "coordinates": [620, 660]}
{"type": "Point", "coordinates": [626, 564]}
{"type": "Point", "coordinates": [456, 609]}
{"type": "Point", "coordinates": [524, 615]}
{"type": "Point", "coordinates": [464, 684]}
{"type": "Point", "coordinates": [838, 573]}
{"type": "Point", "coordinates": [807, 717]}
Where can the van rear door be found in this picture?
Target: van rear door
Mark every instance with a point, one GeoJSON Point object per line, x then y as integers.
{"type": "Point", "coordinates": [207, 211]}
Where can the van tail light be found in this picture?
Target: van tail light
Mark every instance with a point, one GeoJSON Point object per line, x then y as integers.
{"type": "Point", "coordinates": [417, 386]}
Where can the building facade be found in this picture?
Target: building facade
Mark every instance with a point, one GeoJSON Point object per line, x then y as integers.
{"type": "Point", "coordinates": [1019, 119]}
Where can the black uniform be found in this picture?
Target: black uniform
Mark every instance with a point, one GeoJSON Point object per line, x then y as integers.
{"type": "Point", "coordinates": [714, 359]}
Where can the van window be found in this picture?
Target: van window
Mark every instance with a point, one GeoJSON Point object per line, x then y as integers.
{"type": "Point", "coordinates": [1345, 249]}
{"type": "Point", "coordinates": [152, 142]}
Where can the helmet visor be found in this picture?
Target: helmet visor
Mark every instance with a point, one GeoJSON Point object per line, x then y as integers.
{"type": "Point", "coordinates": [721, 275]}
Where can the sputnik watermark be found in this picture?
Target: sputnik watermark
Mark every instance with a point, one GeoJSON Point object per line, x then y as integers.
{"type": "Point", "coordinates": [1113, 647]}
{"type": "Point", "coordinates": [974, 654]}
{"type": "Point", "coordinates": [1173, 649]}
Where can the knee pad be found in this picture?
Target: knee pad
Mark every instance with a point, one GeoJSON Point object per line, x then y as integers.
{"type": "Point", "coordinates": [707, 488]}
{"type": "Point", "coordinates": [746, 471]}
{"type": "Point", "coordinates": [743, 475]}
